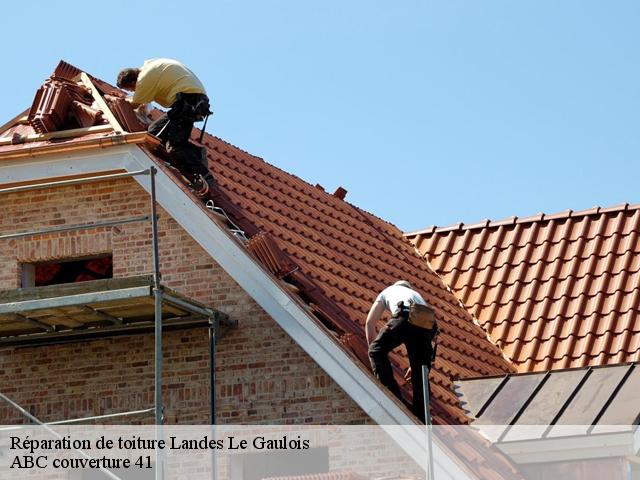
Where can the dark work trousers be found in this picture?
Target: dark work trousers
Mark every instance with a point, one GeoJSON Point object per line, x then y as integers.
{"type": "Point", "coordinates": [174, 129]}
{"type": "Point", "coordinates": [417, 340]}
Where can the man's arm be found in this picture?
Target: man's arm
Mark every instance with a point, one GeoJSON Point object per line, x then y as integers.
{"type": "Point", "coordinates": [128, 99]}
{"type": "Point", "coordinates": [375, 313]}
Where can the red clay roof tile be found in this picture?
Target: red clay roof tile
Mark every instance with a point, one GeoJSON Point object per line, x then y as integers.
{"type": "Point", "coordinates": [66, 71]}
{"type": "Point", "coordinates": [126, 115]}
{"type": "Point", "coordinates": [50, 107]}
{"type": "Point", "coordinates": [63, 104]}
{"type": "Point", "coordinates": [554, 291]}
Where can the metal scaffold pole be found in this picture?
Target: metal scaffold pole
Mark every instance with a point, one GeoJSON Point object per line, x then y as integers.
{"type": "Point", "coordinates": [157, 294]}
{"type": "Point", "coordinates": [427, 421]}
{"type": "Point", "coordinates": [213, 339]}
{"type": "Point", "coordinates": [114, 291]}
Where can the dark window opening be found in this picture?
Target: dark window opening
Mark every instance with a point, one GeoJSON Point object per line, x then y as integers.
{"type": "Point", "coordinates": [67, 271]}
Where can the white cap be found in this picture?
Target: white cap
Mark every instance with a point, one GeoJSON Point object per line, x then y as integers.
{"type": "Point", "coordinates": [403, 283]}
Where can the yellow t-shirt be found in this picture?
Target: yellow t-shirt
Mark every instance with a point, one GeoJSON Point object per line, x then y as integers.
{"type": "Point", "coordinates": [161, 79]}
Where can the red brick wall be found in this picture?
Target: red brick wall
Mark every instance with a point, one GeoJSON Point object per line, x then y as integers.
{"type": "Point", "coordinates": [262, 375]}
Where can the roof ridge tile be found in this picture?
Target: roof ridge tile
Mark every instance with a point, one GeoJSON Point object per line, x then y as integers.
{"type": "Point", "coordinates": [539, 217]}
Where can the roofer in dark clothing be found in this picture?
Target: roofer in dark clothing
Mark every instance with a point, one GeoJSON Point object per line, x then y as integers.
{"type": "Point", "coordinates": [172, 85]}
{"type": "Point", "coordinates": [398, 299]}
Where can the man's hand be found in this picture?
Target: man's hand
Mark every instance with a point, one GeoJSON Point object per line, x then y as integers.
{"type": "Point", "coordinates": [112, 98]}
{"type": "Point", "coordinates": [370, 325]}
{"type": "Point", "coordinates": [142, 113]}
{"type": "Point", "coordinates": [134, 105]}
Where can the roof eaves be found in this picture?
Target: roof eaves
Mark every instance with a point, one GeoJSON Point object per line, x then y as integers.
{"type": "Point", "coordinates": [297, 319]}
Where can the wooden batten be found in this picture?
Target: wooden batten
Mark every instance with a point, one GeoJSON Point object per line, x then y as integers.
{"type": "Point", "coordinates": [101, 103]}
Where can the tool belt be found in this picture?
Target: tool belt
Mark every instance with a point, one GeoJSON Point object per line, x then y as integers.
{"type": "Point", "coordinates": [192, 107]}
{"type": "Point", "coordinates": [422, 316]}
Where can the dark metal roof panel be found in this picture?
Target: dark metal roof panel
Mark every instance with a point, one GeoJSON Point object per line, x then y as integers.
{"type": "Point", "coordinates": [476, 393]}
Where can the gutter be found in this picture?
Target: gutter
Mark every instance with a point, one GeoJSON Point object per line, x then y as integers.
{"type": "Point", "coordinates": [80, 145]}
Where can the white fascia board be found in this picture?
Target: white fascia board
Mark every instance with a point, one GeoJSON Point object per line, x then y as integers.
{"type": "Point", "coordinates": [571, 448]}
{"type": "Point", "coordinates": [264, 289]}
{"type": "Point", "coordinates": [60, 165]}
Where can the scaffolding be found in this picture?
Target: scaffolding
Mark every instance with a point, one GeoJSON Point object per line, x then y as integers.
{"type": "Point", "coordinates": [98, 308]}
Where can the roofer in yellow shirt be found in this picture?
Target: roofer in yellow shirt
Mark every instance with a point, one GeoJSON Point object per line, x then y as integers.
{"type": "Point", "coordinates": [172, 85]}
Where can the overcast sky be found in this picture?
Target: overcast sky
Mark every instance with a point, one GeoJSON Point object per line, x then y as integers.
{"type": "Point", "coordinates": [427, 112]}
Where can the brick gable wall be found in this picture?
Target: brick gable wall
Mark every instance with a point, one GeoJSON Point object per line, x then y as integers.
{"type": "Point", "coordinates": [262, 375]}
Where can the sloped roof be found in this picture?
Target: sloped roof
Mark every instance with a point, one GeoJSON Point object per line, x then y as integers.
{"type": "Point", "coordinates": [554, 291]}
{"type": "Point", "coordinates": [463, 443]}
{"type": "Point", "coordinates": [254, 194]}
{"type": "Point", "coordinates": [346, 256]}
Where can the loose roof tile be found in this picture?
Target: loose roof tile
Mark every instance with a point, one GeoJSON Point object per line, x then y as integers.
{"type": "Point", "coordinates": [554, 291]}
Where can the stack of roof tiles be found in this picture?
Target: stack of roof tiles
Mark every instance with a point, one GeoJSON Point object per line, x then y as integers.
{"type": "Point", "coordinates": [62, 103]}
{"type": "Point", "coordinates": [554, 291]}
{"type": "Point", "coordinates": [50, 106]}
